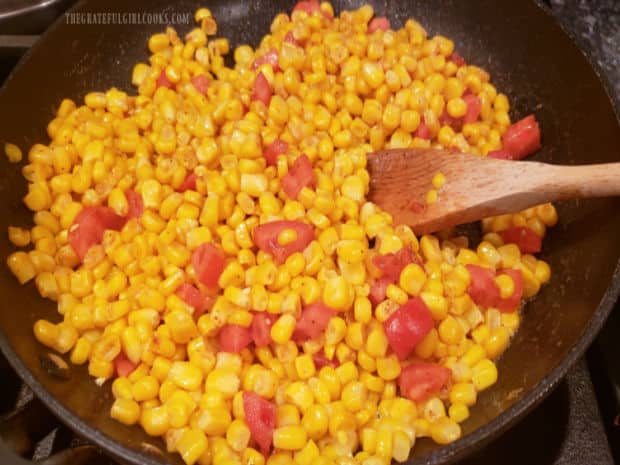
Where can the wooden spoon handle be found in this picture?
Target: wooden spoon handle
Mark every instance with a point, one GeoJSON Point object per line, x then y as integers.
{"type": "Point", "coordinates": [586, 181]}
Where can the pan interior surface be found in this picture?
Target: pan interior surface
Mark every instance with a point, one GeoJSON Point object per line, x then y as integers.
{"type": "Point", "coordinates": [530, 59]}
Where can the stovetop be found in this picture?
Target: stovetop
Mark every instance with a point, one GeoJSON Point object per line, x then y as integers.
{"type": "Point", "coordinates": [579, 423]}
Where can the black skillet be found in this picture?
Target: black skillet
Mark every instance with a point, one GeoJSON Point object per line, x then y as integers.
{"type": "Point", "coordinates": [530, 58]}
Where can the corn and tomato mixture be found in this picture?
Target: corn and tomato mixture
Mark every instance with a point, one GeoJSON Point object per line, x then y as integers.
{"type": "Point", "coordinates": [212, 254]}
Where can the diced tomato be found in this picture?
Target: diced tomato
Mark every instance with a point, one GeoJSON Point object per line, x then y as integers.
{"type": "Point", "coordinates": [234, 338]}
{"type": "Point", "coordinates": [525, 238]}
{"type": "Point", "coordinates": [500, 155]}
{"type": "Point", "coordinates": [482, 288]}
{"type": "Point", "coordinates": [261, 328]}
{"type": "Point", "coordinates": [123, 366]}
{"type": "Point", "coordinates": [136, 205]}
{"type": "Point", "coordinates": [378, 290]}
{"type": "Point", "coordinates": [290, 38]}
{"type": "Point", "coordinates": [510, 304]}
{"type": "Point", "coordinates": [299, 175]}
{"type": "Point", "coordinates": [208, 262]}
{"type": "Point", "coordinates": [407, 326]}
{"type": "Point", "coordinates": [309, 6]}
{"type": "Point", "coordinates": [200, 83]}
{"type": "Point", "coordinates": [163, 81]}
{"type": "Point", "coordinates": [473, 108]}
{"type": "Point", "coordinates": [189, 183]}
{"type": "Point", "coordinates": [266, 238]}
{"type": "Point", "coordinates": [262, 90]}
{"type": "Point", "coordinates": [422, 132]}
{"type": "Point", "coordinates": [89, 225]}
{"type": "Point", "coordinates": [321, 360]}
{"type": "Point", "coordinates": [260, 415]}
{"type": "Point", "coordinates": [380, 23]}
{"type": "Point", "coordinates": [190, 295]}
{"type": "Point", "coordinates": [270, 58]}
{"type": "Point", "coordinates": [420, 380]}
{"type": "Point", "coordinates": [271, 152]}
{"type": "Point", "coordinates": [313, 321]}
{"type": "Point", "coordinates": [392, 264]}
{"type": "Point", "coordinates": [457, 59]}
{"type": "Point", "coordinates": [447, 120]}
{"type": "Point", "coordinates": [522, 138]}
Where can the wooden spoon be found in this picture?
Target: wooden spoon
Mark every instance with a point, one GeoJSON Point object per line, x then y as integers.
{"type": "Point", "coordinates": [476, 187]}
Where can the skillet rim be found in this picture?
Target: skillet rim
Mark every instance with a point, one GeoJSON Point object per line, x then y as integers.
{"type": "Point", "coordinates": [444, 455]}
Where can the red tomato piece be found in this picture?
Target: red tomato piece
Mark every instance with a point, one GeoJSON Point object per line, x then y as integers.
{"type": "Point", "coordinates": [190, 295]}
{"type": "Point", "coordinates": [522, 138]}
{"type": "Point", "coordinates": [260, 415]}
{"type": "Point", "coordinates": [321, 360]}
{"type": "Point", "coordinates": [234, 338]}
{"type": "Point", "coordinates": [511, 304]}
{"type": "Point", "coordinates": [482, 289]}
{"type": "Point", "coordinates": [422, 132]}
{"type": "Point", "coordinates": [420, 380]}
{"type": "Point", "coordinates": [189, 183]}
{"type": "Point", "coordinates": [208, 262]}
{"type": "Point", "coordinates": [299, 175]}
{"type": "Point", "coordinates": [309, 6]}
{"type": "Point", "coordinates": [313, 321]}
{"type": "Point", "coordinates": [447, 120]}
{"type": "Point", "coordinates": [270, 58]}
{"type": "Point", "coordinates": [266, 238]}
{"type": "Point", "coordinates": [290, 38]}
{"type": "Point", "coordinates": [89, 225]}
{"type": "Point", "coordinates": [380, 23]}
{"type": "Point", "coordinates": [136, 205]}
{"type": "Point", "coordinates": [526, 239]}
{"type": "Point", "coordinates": [271, 152]}
{"type": "Point", "coordinates": [457, 59]}
{"type": "Point", "coordinates": [262, 90]}
{"type": "Point", "coordinates": [261, 328]}
{"type": "Point", "coordinates": [378, 290]}
{"type": "Point", "coordinates": [200, 83]}
{"type": "Point", "coordinates": [407, 326]}
{"type": "Point", "coordinates": [473, 108]}
{"type": "Point", "coordinates": [163, 81]}
{"type": "Point", "coordinates": [500, 155]}
{"type": "Point", "coordinates": [123, 366]}
{"type": "Point", "coordinates": [392, 264]}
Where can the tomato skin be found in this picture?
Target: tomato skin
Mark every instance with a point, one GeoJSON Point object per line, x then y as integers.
{"type": "Point", "coordinates": [261, 328]}
{"type": "Point", "coordinates": [500, 155]}
{"type": "Point", "coordinates": [473, 108]}
{"type": "Point", "coordinates": [136, 205]}
{"type": "Point", "coordinates": [420, 380]}
{"type": "Point", "coordinates": [524, 238]}
{"type": "Point", "coordinates": [522, 138]}
{"type": "Point", "coordinates": [482, 289]}
{"type": "Point", "coordinates": [392, 264]}
{"type": "Point", "coordinates": [422, 132]}
{"type": "Point", "coordinates": [407, 326]}
{"type": "Point", "coordinates": [271, 152]}
{"type": "Point", "coordinates": [190, 295]}
{"type": "Point", "coordinates": [234, 338]}
{"type": "Point", "coordinates": [89, 225]}
{"type": "Point", "coordinates": [270, 58]}
{"type": "Point", "coordinates": [380, 23]}
{"type": "Point", "coordinates": [321, 360]}
{"type": "Point", "coordinates": [201, 84]}
{"type": "Point", "coordinates": [262, 90]}
{"type": "Point", "coordinates": [163, 81]}
{"type": "Point", "coordinates": [313, 321]}
{"type": "Point", "coordinates": [299, 176]}
{"type": "Point", "coordinates": [260, 415]}
{"type": "Point", "coordinates": [511, 303]}
{"type": "Point", "coordinates": [208, 262]}
{"type": "Point", "coordinates": [189, 183]}
{"type": "Point", "coordinates": [309, 6]}
{"type": "Point", "coordinates": [290, 38]}
{"type": "Point", "coordinates": [378, 290]}
{"type": "Point", "coordinates": [265, 236]}
{"type": "Point", "coordinates": [123, 366]}
{"type": "Point", "coordinates": [457, 59]}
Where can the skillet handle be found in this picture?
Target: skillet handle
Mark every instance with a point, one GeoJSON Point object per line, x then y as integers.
{"type": "Point", "coordinates": [80, 455]}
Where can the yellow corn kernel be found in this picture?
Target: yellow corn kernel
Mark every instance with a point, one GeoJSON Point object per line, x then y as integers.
{"type": "Point", "coordinates": [283, 328]}
{"type": "Point", "coordinates": [238, 435]}
{"type": "Point", "coordinates": [289, 437]}
{"type": "Point", "coordinates": [451, 331]}
{"type": "Point", "coordinates": [125, 411]}
{"type": "Point", "coordinates": [192, 445]}
{"type": "Point", "coordinates": [145, 388]}
{"type": "Point", "coordinates": [396, 294]}
{"type": "Point", "coordinates": [20, 237]}
{"type": "Point", "coordinates": [185, 375]}
{"type": "Point", "coordinates": [287, 414]}
{"type": "Point", "coordinates": [388, 368]}
{"type": "Point", "coordinates": [315, 421]}
{"type": "Point", "coordinates": [13, 152]}
{"type": "Point", "coordinates": [304, 364]}
{"type": "Point", "coordinates": [21, 266]}
{"type": "Point", "coordinates": [484, 374]}
{"type": "Point", "coordinates": [497, 342]}
{"type": "Point", "coordinates": [445, 431]}
{"type": "Point", "coordinates": [337, 293]}
{"type": "Point", "coordinates": [155, 421]}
